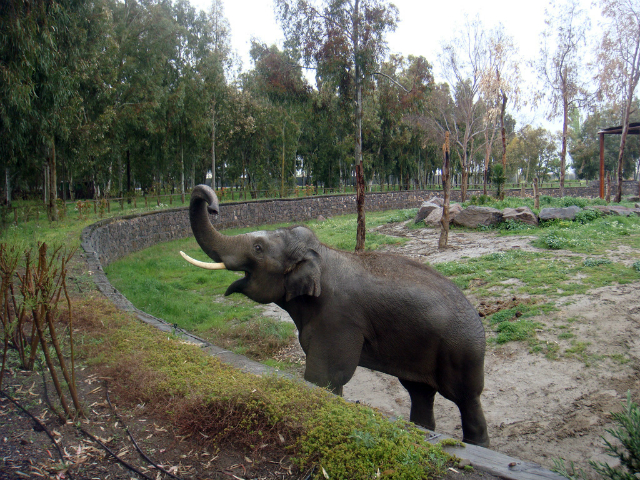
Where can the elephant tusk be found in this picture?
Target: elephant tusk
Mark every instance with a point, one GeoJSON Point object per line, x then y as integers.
{"type": "Point", "coordinates": [206, 265]}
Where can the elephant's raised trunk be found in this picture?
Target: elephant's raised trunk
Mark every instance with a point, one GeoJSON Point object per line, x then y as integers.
{"type": "Point", "coordinates": [203, 202]}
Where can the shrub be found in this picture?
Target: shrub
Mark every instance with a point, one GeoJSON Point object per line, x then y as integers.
{"type": "Point", "coordinates": [628, 451]}
{"type": "Point", "coordinates": [577, 201]}
{"type": "Point", "coordinates": [636, 266]}
{"type": "Point", "coordinates": [586, 216]}
{"type": "Point", "coordinates": [594, 262]}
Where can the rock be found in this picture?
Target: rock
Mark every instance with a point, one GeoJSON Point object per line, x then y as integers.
{"type": "Point", "coordinates": [633, 199]}
{"type": "Point", "coordinates": [521, 214]}
{"type": "Point", "coordinates": [637, 205]}
{"type": "Point", "coordinates": [427, 207]}
{"type": "Point", "coordinates": [473, 216]}
{"type": "Point", "coordinates": [615, 210]}
{"type": "Point", "coordinates": [433, 219]}
{"type": "Point", "coordinates": [321, 219]}
{"type": "Point", "coordinates": [566, 213]}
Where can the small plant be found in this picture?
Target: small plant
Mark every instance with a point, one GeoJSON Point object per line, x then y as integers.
{"type": "Point", "coordinates": [83, 208]}
{"type": "Point", "coordinates": [594, 262]}
{"type": "Point", "coordinates": [498, 179]}
{"type": "Point", "coordinates": [628, 450]}
{"type": "Point", "coordinates": [636, 266]}
{"type": "Point", "coordinates": [586, 216]}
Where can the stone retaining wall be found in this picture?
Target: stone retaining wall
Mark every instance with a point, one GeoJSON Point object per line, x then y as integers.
{"type": "Point", "coordinates": [114, 238]}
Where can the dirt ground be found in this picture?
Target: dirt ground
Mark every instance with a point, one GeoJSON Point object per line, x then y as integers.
{"type": "Point", "coordinates": [537, 409]}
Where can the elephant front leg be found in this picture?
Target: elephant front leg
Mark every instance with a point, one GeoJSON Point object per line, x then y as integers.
{"type": "Point", "coordinates": [331, 362]}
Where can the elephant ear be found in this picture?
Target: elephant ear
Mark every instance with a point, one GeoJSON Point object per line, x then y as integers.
{"type": "Point", "coordinates": [303, 278]}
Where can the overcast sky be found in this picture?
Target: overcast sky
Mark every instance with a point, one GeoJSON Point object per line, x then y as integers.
{"type": "Point", "coordinates": [423, 26]}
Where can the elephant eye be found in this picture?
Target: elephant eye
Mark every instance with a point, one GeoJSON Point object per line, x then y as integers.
{"type": "Point", "coordinates": [258, 248]}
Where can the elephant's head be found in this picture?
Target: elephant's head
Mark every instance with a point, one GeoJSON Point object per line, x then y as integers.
{"type": "Point", "coordinates": [278, 265]}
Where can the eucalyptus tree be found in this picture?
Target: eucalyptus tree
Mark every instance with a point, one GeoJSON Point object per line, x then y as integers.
{"type": "Point", "coordinates": [584, 145]}
{"type": "Point", "coordinates": [619, 65]}
{"type": "Point", "coordinates": [41, 45]}
{"type": "Point", "coordinates": [401, 138]}
{"type": "Point", "coordinates": [217, 60]}
{"type": "Point", "coordinates": [532, 151]}
{"type": "Point", "coordinates": [344, 39]}
{"type": "Point", "coordinates": [464, 61]}
{"type": "Point", "coordinates": [559, 65]}
{"type": "Point", "coordinates": [277, 78]}
{"type": "Point", "coordinates": [500, 85]}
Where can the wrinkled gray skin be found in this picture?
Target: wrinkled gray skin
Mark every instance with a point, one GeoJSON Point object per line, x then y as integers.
{"type": "Point", "coordinates": [383, 312]}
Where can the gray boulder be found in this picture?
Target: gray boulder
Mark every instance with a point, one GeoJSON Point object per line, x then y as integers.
{"type": "Point", "coordinates": [565, 213]}
{"type": "Point", "coordinates": [433, 219]}
{"type": "Point", "coordinates": [427, 207]}
{"type": "Point", "coordinates": [473, 216]}
{"type": "Point", "coordinates": [520, 214]}
{"type": "Point", "coordinates": [615, 210]}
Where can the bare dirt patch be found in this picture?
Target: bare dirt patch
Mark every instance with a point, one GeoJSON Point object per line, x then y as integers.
{"type": "Point", "coordinates": [544, 405]}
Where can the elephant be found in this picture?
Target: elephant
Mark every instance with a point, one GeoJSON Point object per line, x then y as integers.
{"type": "Point", "coordinates": [377, 310]}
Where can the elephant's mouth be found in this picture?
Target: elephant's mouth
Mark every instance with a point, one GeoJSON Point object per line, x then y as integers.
{"type": "Point", "coordinates": [236, 287]}
{"type": "Point", "coordinates": [239, 285]}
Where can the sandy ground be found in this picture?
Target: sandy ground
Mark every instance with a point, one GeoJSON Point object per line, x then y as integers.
{"type": "Point", "coordinates": [537, 409]}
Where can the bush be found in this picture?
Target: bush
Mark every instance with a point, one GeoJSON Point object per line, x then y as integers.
{"type": "Point", "coordinates": [586, 216]}
{"type": "Point", "coordinates": [594, 262]}
{"type": "Point", "coordinates": [628, 451]}
{"type": "Point", "coordinates": [636, 266]}
{"type": "Point", "coordinates": [577, 201]}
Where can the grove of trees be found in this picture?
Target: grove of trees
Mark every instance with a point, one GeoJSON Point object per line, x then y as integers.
{"type": "Point", "coordinates": [114, 97]}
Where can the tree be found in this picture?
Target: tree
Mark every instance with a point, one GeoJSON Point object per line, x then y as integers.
{"type": "Point", "coordinates": [500, 84]}
{"type": "Point", "coordinates": [559, 66]}
{"type": "Point", "coordinates": [532, 151]}
{"type": "Point", "coordinates": [619, 64]}
{"type": "Point", "coordinates": [465, 61]}
{"type": "Point", "coordinates": [344, 39]}
{"type": "Point", "coordinates": [584, 144]}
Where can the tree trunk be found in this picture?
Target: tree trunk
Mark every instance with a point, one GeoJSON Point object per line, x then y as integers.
{"type": "Point", "coordinates": [503, 134]}
{"type": "Point", "coordinates": [7, 185]}
{"type": "Point", "coordinates": [282, 174]}
{"type": "Point", "coordinates": [360, 186]}
{"type": "Point", "coordinates": [536, 194]}
{"type": "Point", "coordinates": [563, 153]}
{"type": "Point", "coordinates": [53, 193]}
{"type": "Point", "coordinates": [128, 175]}
{"type": "Point", "coordinates": [623, 140]}
{"type": "Point", "coordinates": [446, 188]}
{"type": "Point", "coordinates": [213, 146]}
{"type": "Point", "coordinates": [608, 194]}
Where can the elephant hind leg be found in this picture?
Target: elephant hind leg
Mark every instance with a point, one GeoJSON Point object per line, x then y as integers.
{"type": "Point", "coordinates": [474, 425]}
{"type": "Point", "coordinates": [422, 396]}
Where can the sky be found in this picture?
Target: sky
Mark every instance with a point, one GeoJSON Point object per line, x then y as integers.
{"type": "Point", "coordinates": [423, 27]}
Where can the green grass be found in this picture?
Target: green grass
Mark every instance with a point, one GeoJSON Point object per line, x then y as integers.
{"type": "Point", "coordinates": [158, 281]}
{"type": "Point", "coordinates": [538, 273]}
{"type": "Point", "coordinates": [202, 396]}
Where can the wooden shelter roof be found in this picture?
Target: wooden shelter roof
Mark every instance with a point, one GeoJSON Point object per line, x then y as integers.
{"type": "Point", "coordinates": [634, 129]}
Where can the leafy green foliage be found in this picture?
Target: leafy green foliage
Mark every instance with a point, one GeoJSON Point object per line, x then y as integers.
{"type": "Point", "coordinates": [627, 451]}
{"type": "Point", "coordinates": [636, 266]}
{"type": "Point", "coordinates": [364, 442]}
{"type": "Point", "coordinates": [594, 262]}
{"type": "Point", "coordinates": [205, 396]}
{"type": "Point", "coordinates": [586, 216]}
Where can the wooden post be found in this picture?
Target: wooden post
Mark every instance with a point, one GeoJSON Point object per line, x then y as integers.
{"type": "Point", "coordinates": [446, 187]}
